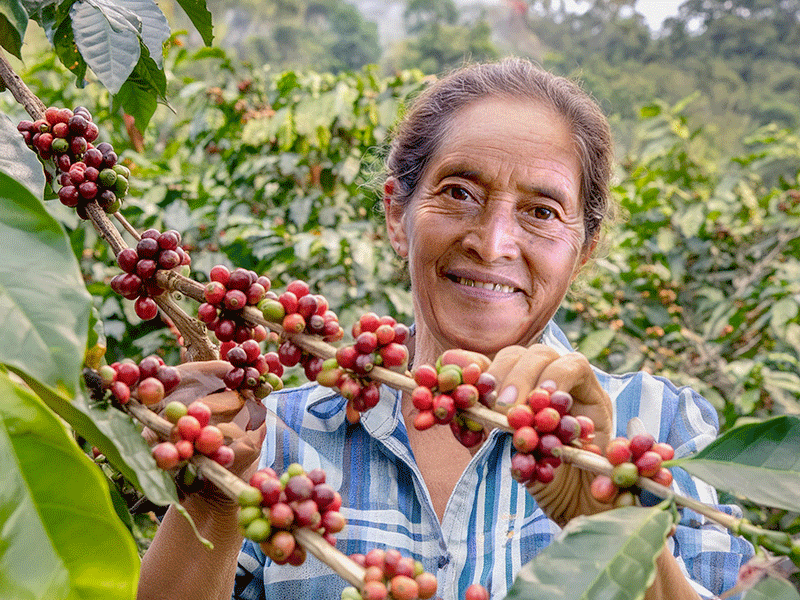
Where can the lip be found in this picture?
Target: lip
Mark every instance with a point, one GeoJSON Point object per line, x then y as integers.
{"type": "Point", "coordinates": [454, 275]}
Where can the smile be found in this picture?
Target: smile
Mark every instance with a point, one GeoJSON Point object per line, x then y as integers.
{"type": "Point", "coordinates": [486, 285]}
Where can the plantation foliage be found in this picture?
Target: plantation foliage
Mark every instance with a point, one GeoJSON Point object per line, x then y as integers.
{"type": "Point", "coordinates": [278, 172]}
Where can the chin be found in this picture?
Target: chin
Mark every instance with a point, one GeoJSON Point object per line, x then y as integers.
{"type": "Point", "coordinates": [489, 336]}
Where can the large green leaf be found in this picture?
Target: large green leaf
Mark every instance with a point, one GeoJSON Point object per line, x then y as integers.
{"type": "Point", "coordinates": [19, 161]}
{"type": "Point", "coordinates": [67, 51]}
{"type": "Point", "coordinates": [107, 36]}
{"type": "Point", "coordinates": [13, 23]}
{"type": "Point", "coordinates": [759, 461]}
{"type": "Point", "coordinates": [116, 434]}
{"type": "Point", "coordinates": [609, 555]}
{"type": "Point", "coordinates": [772, 588]}
{"type": "Point", "coordinates": [61, 536]}
{"type": "Point", "coordinates": [155, 28]}
{"type": "Point", "coordinates": [139, 95]}
{"type": "Point", "coordinates": [44, 305]}
{"type": "Point", "coordinates": [200, 17]}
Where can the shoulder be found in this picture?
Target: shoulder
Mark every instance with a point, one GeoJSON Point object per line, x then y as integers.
{"type": "Point", "coordinates": [676, 414]}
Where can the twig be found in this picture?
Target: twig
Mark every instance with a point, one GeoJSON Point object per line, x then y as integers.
{"type": "Point", "coordinates": [127, 226]}
{"type": "Point", "coordinates": [19, 90]}
{"type": "Point", "coordinates": [600, 465]}
{"type": "Point", "coordinates": [232, 486]}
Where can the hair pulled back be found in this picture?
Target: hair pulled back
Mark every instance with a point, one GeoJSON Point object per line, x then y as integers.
{"type": "Point", "coordinates": [418, 136]}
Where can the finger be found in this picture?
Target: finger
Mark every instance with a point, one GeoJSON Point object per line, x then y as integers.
{"type": "Point", "coordinates": [574, 374]}
{"type": "Point", "coordinates": [464, 358]}
{"type": "Point", "coordinates": [519, 370]}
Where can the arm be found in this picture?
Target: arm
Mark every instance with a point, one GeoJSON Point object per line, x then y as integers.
{"type": "Point", "coordinates": [178, 566]}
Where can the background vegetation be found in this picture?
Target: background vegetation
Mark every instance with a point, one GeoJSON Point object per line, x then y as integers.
{"type": "Point", "coordinates": [267, 154]}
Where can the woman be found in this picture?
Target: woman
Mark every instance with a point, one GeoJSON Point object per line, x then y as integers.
{"type": "Point", "coordinates": [497, 185]}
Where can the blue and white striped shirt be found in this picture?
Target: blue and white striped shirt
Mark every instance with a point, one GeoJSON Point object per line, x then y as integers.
{"type": "Point", "coordinates": [491, 526]}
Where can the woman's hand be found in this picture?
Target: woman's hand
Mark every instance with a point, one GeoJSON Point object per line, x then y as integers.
{"type": "Point", "coordinates": [233, 413]}
{"type": "Point", "coordinates": [518, 370]}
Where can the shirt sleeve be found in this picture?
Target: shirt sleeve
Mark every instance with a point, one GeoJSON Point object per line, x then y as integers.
{"type": "Point", "coordinates": [249, 582]}
{"type": "Point", "coordinates": [708, 553]}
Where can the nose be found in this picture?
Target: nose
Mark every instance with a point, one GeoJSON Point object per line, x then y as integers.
{"type": "Point", "coordinates": [493, 236]}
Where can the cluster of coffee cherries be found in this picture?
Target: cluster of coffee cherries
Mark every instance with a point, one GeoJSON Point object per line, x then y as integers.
{"type": "Point", "coordinates": [379, 341]}
{"type": "Point", "coordinates": [641, 456]}
{"type": "Point", "coordinates": [154, 251]}
{"type": "Point", "coordinates": [444, 389]}
{"type": "Point", "coordinates": [273, 505]}
{"type": "Point", "coordinates": [300, 311]}
{"type": "Point", "coordinates": [85, 173]}
{"type": "Point", "coordinates": [251, 369]}
{"type": "Point", "coordinates": [191, 432]}
{"type": "Point", "coordinates": [226, 295]}
{"type": "Point", "coordinates": [389, 574]}
{"type": "Point", "coordinates": [148, 381]}
{"type": "Point", "coordinates": [541, 424]}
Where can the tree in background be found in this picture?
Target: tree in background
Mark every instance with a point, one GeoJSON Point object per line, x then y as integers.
{"type": "Point", "coordinates": [440, 38]}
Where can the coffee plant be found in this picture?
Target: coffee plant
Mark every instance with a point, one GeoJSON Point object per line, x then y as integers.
{"type": "Point", "coordinates": [271, 153]}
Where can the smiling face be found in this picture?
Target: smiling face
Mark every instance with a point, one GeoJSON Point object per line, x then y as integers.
{"type": "Point", "coordinates": [494, 234]}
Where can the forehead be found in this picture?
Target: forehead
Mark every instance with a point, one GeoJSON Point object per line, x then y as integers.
{"type": "Point", "coordinates": [528, 138]}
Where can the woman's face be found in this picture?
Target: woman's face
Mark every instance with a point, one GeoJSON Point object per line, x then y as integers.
{"type": "Point", "coordinates": [494, 234]}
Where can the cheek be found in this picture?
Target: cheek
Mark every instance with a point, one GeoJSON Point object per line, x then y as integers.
{"type": "Point", "coordinates": [555, 260]}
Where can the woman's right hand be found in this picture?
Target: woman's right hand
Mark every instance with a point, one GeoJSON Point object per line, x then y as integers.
{"type": "Point", "coordinates": [232, 412]}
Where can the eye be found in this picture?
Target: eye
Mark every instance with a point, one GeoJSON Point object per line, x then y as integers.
{"type": "Point", "coordinates": [543, 213]}
{"type": "Point", "coordinates": [457, 193]}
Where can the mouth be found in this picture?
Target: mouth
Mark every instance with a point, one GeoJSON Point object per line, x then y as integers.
{"type": "Point", "coordinates": [503, 288]}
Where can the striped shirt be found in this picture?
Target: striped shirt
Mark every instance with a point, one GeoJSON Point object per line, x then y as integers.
{"type": "Point", "coordinates": [491, 526]}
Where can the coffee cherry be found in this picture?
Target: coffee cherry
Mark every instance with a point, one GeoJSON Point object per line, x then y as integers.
{"type": "Point", "coordinates": [625, 475]}
{"type": "Point", "coordinates": [280, 546]}
{"type": "Point", "coordinates": [603, 489]}
{"type": "Point", "coordinates": [209, 440]}
{"type": "Point", "coordinates": [648, 463]}
{"type": "Point", "coordinates": [476, 592]}
{"type": "Point", "coordinates": [618, 451]}
{"type": "Point", "coordinates": [166, 456]}
{"type": "Point", "coordinates": [525, 439]}
{"type": "Point", "coordinates": [640, 443]}
{"type": "Point", "coordinates": [174, 410]}
{"type": "Point", "coordinates": [146, 308]}
{"type": "Point", "coordinates": [150, 391]}
{"type": "Point", "coordinates": [546, 420]}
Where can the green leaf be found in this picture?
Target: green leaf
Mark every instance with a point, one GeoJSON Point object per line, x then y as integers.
{"type": "Point", "coordinates": [18, 161]}
{"type": "Point", "coordinates": [200, 17]}
{"type": "Point", "coordinates": [67, 51]}
{"type": "Point", "coordinates": [13, 23]}
{"type": "Point", "coordinates": [155, 27]}
{"type": "Point", "coordinates": [61, 536]}
{"type": "Point", "coordinates": [783, 311]}
{"type": "Point", "coordinates": [44, 305]}
{"type": "Point", "coordinates": [609, 555]}
{"type": "Point", "coordinates": [772, 588]}
{"type": "Point", "coordinates": [139, 95]}
{"type": "Point", "coordinates": [117, 436]}
{"type": "Point", "coordinates": [595, 342]}
{"type": "Point", "coordinates": [745, 457]}
{"type": "Point", "coordinates": [107, 36]}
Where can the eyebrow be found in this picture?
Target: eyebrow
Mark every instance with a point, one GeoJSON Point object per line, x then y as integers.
{"type": "Point", "coordinates": [468, 172]}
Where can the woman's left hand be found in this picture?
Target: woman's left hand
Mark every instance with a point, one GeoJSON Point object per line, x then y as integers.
{"type": "Point", "coordinates": [518, 370]}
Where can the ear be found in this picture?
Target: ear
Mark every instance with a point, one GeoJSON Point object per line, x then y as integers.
{"type": "Point", "coordinates": [586, 255]}
{"type": "Point", "coordinates": [395, 221]}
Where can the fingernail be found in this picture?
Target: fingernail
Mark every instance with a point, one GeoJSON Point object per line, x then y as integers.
{"type": "Point", "coordinates": [508, 396]}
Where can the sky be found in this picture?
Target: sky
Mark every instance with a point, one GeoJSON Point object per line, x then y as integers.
{"type": "Point", "coordinates": [654, 11]}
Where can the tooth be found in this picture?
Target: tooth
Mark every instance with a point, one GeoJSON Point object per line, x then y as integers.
{"type": "Point", "coordinates": [496, 287]}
